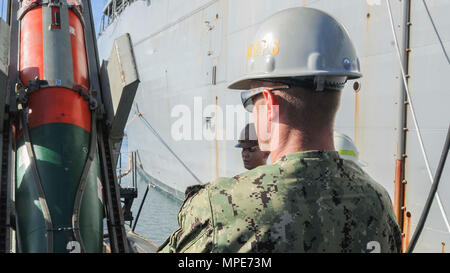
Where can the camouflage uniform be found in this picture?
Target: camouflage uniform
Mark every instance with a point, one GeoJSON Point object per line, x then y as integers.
{"type": "Point", "coordinates": [305, 202]}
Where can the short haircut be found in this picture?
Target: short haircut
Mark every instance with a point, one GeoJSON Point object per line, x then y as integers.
{"type": "Point", "coordinates": [308, 110]}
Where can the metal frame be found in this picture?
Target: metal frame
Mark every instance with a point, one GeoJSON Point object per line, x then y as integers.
{"type": "Point", "coordinates": [83, 181]}
{"type": "Point", "coordinates": [111, 190]}
{"type": "Point", "coordinates": [92, 53]}
{"type": "Point", "coordinates": [5, 148]}
{"type": "Point", "coordinates": [7, 161]}
{"type": "Point", "coordinates": [400, 181]}
{"type": "Point", "coordinates": [37, 181]}
{"type": "Point", "coordinates": [113, 209]}
{"type": "Point", "coordinates": [6, 245]}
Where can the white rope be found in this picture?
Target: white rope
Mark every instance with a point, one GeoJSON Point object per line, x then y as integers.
{"type": "Point", "coordinates": [419, 135]}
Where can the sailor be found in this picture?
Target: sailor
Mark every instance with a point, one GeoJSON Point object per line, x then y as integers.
{"type": "Point", "coordinates": [252, 156]}
{"type": "Point", "coordinates": [309, 199]}
{"type": "Point", "coordinates": [347, 149]}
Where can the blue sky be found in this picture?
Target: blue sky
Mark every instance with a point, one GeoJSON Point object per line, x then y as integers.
{"type": "Point", "coordinates": [97, 8]}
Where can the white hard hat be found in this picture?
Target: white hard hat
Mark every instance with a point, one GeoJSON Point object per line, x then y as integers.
{"type": "Point", "coordinates": [347, 149]}
{"type": "Point", "coordinates": [248, 137]}
{"type": "Point", "coordinates": [301, 47]}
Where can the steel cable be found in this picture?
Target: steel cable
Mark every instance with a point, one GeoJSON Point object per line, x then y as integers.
{"type": "Point", "coordinates": [419, 135]}
{"type": "Point", "coordinates": [431, 195]}
{"type": "Point", "coordinates": [168, 147]}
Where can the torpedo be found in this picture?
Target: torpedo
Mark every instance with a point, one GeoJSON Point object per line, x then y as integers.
{"type": "Point", "coordinates": [59, 207]}
{"type": "Point", "coordinates": [65, 116]}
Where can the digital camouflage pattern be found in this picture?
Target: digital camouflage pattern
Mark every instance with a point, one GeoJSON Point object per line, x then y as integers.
{"type": "Point", "coordinates": [305, 202]}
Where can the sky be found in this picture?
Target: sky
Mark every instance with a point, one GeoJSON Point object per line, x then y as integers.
{"type": "Point", "coordinates": [97, 8]}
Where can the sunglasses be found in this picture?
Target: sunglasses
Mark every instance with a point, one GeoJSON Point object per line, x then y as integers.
{"type": "Point", "coordinates": [248, 96]}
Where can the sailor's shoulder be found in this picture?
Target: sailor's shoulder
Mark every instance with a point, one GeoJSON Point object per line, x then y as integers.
{"type": "Point", "coordinates": [372, 187]}
{"type": "Point", "coordinates": [195, 189]}
{"type": "Point", "coordinates": [267, 172]}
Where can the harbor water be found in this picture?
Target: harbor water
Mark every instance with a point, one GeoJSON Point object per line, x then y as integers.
{"type": "Point", "coordinates": [158, 218]}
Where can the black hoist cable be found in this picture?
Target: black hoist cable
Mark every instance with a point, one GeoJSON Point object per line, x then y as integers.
{"type": "Point", "coordinates": [431, 195]}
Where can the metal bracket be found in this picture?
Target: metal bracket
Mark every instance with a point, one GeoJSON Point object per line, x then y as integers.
{"type": "Point", "coordinates": [39, 189]}
{"type": "Point", "coordinates": [62, 229]}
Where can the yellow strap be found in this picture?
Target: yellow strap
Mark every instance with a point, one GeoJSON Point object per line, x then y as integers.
{"type": "Point", "coordinates": [347, 152]}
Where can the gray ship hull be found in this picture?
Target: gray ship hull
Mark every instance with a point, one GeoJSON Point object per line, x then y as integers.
{"type": "Point", "coordinates": [188, 51]}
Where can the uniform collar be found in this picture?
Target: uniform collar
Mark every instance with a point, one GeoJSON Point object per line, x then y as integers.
{"type": "Point", "coordinates": [327, 155]}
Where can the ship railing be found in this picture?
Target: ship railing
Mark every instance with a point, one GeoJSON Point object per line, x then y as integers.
{"type": "Point", "coordinates": [113, 9]}
{"type": "Point", "coordinates": [128, 187]}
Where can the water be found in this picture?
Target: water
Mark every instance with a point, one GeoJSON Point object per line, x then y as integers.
{"type": "Point", "coordinates": [158, 218]}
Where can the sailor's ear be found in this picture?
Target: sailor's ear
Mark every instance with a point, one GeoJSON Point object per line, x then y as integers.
{"type": "Point", "coordinates": [272, 105]}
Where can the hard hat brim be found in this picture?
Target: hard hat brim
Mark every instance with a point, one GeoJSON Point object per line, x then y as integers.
{"type": "Point", "coordinates": [246, 144]}
{"type": "Point", "coordinates": [244, 83]}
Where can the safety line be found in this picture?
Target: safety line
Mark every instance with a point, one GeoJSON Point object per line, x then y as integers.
{"type": "Point", "coordinates": [167, 146]}
{"type": "Point", "coordinates": [436, 31]}
{"type": "Point", "coordinates": [419, 135]}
